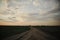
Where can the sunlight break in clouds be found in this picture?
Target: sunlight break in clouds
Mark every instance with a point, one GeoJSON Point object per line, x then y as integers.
{"type": "Point", "coordinates": [29, 10]}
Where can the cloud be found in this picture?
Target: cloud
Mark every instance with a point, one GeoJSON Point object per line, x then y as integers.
{"type": "Point", "coordinates": [36, 3]}
{"type": "Point", "coordinates": [29, 11]}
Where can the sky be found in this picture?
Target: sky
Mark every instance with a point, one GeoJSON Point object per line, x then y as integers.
{"type": "Point", "coordinates": [32, 11]}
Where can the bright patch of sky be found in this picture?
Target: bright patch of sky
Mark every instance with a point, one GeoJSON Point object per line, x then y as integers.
{"type": "Point", "coordinates": [32, 10]}
{"type": "Point", "coordinates": [33, 6]}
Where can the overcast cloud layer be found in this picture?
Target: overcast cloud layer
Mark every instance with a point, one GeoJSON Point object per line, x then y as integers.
{"type": "Point", "coordinates": [29, 10]}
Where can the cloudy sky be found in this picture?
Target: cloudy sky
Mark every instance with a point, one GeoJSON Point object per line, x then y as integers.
{"type": "Point", "coordinates": [29, 11]}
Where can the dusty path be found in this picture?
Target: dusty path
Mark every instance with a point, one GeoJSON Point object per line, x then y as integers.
{"type": "Point", "coordinates": [32, 34]}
